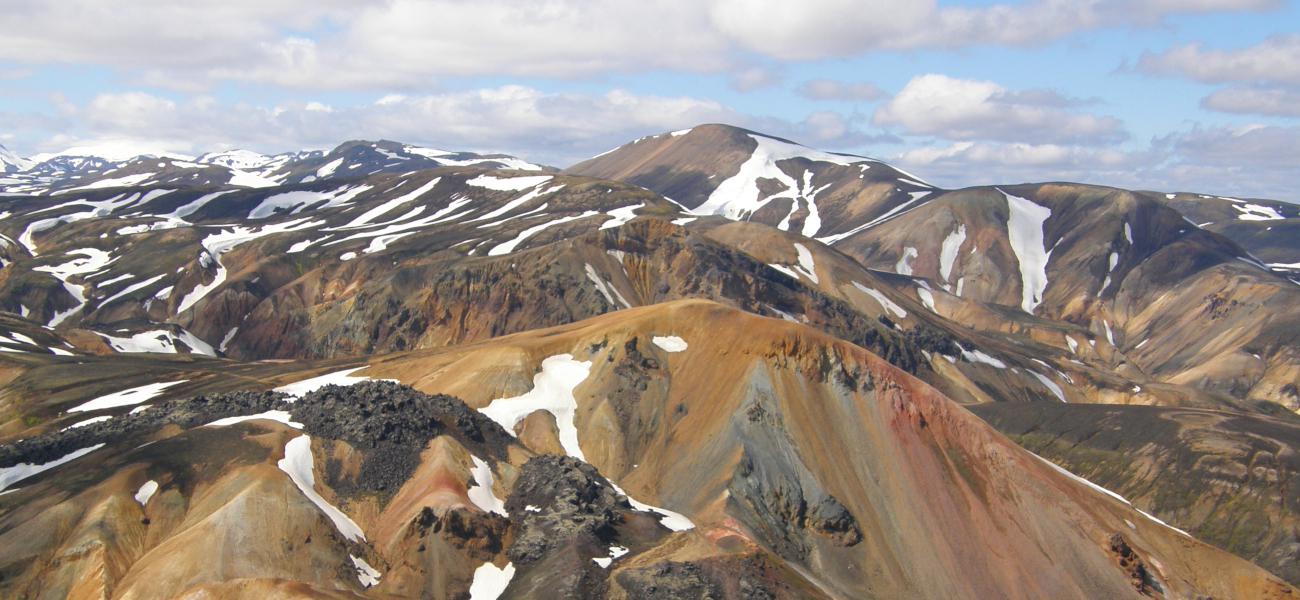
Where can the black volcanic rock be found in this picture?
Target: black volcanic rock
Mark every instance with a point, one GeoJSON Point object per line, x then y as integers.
{"type": "Point", "coordinates": [571, 503]}
{"type": "Point", "coordinates": [391, 423]}
{"type": "Point", "coordinates": [189, 412]}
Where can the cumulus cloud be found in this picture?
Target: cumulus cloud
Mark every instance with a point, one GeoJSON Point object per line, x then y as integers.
{"type": "Point", "coordinates": [829, 28]}
{"type": "Point", "coordinates": [1273, 61]}
{"type": "Point", "coordinates": [968, 110]}
{"type": "Point", "coordinates": [1250, 161]}
{"type": "Point", "coordinates": [983, 163]}
{"type": "Point", "coordinates": [1258, 101]}
{"type": "Point", "coordinates": [829, 89]}
{"type": "Point", "coordinates": [550, 127]}
{"type": "Point", "coordinates": [323, 44]}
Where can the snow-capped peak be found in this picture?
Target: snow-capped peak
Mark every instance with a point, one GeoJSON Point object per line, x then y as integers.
{"type": "Point", "coordinates": [235, 159]}
{"type": "Point", "coordinates": [12, 163]}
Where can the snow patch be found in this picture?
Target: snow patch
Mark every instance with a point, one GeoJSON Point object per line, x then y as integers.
{"type": "Point", "coordinates": [281, 416]}
{"type": "Point", "coordinates": [89, 421]}
{"type": "Point", "coordinates": [552, 392]}
{"type": "Point", "coordinates": [21, 471]}
{"type": "Point", "coordinates": [146, 492]}
{"type": "Point", "coordinates": [739, 196]}
{"type": "Point", "coordinates": [128, 397]}
{"type": "Point", "coordinates": [806, 266]}
{"type": "Point", "coordinates": [669, 343]}
{"type": "Point", "coordinates": [490, 582]}
{"type": "Point", "coordinates": [160, 341]}
{"type": "Point", "coordinates": [1107, 492]}
{"type": "Point", "coordinates": [217, 244]}
{"type": "Point", "coordinates": [977, 356]}
{"type": "Point", "coordinates": [904, 264]}
{"type": "Point", "coordinates": [614, 552]}
{"type": "Point", "coordinates": [481, 493]}
{"type": "Point", "coordinates": [299, 389]}
{"type": "Point", "coordinates": [672, 520]}
{"type": "Point", "coordinates": [620, 216]}
{"type": "Point", "coordinates": [366, 574]}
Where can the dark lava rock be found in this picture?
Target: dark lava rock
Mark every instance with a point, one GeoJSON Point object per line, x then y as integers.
{"type": "Point", "coordinates": [670, 581]}
{"type": "Point", "coordinates": [1140, 575]}
{"type": "Point", "coordinates": [391, 423]}
{"type": "Point", "coordinates": [187, 413]}
{"type": "Point", "coordinates": [388, 422]}
{"type": "Point", "coordinates": [572, 504]}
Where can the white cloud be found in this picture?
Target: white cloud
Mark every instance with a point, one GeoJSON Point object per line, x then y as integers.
{"type": "Point", "coordinates": [341, 44]}
{"type": "Point", "coordinates": [1258, 101]}
{"type": "Point", "coordinates": [814, 29]}
{"type": "Point", "coordinates": [968, 110]}
{"type": "Point", "coordinates": [1252, 161]}
{"type": "Point", "coordinates": [1273, 61]}
{"type": "Point", "coordinates": [557, 128]}
{"type": "Point", "coordinates": [829, 89]}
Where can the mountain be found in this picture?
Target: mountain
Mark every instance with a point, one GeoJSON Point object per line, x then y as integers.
{"type": "Point", "coordinates": [786, 357]}
{"type": "Point", "coordinates": [1083, 267]}
{"type": "Point", "coordinates": [1268, 229]}
{"type": "Point", "coordinates": [709, 478]}
{"type": "Point", "coordinates": [12, 163]}
{"type": "Point", "coordinates": [741, 174]}
{"type": "Point", "coordinates": [69, 173]}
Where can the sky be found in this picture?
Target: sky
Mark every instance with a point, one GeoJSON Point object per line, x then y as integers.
{"type": "Point", "coordinates": [1172, 95]}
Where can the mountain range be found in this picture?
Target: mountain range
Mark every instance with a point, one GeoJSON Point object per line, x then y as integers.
{"type": "Point", "coordinates": [709, 363]}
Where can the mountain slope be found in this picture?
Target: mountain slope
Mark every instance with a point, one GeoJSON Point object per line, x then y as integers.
{"type": "Point", "coordinates": [1227, 478]}
{"type": "Point", "coordinates": [743, 457]}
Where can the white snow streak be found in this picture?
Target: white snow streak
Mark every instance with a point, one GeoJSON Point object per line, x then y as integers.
{"type": "Point", "coordinates": [806, 266]}
{"type": "Point", "coordinates": [509, 246]}
{"type": "Point", "coordinates": [1049, 384]}
{"type": "Point", "coordinates": [21, 471]}
{"type": "Point", "coordinates": [883, 300]}
{"type": "Point", "coordinates": [299, 389]}
{"type": "Point", "coordinates": [1107, 492]}
{"type": "Point", "coordinates": [299, 466]}
{"type": "Point", "coordinates": [948, 251]}
{"type": "Point", "coordinates": [1025, 232]}
{"type": "Point", "coordinates": [128, 397]}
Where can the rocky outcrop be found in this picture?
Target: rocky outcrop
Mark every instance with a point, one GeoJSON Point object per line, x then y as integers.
{"type": "Point", "coordinates": [560, 501]}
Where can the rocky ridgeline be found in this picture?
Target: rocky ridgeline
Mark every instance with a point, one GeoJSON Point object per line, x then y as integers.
{"type": "Point", "coordinates": [388, 422]}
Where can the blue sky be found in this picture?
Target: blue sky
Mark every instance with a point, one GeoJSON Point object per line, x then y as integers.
{"type": "Point", "coordinates": [1190, 95]}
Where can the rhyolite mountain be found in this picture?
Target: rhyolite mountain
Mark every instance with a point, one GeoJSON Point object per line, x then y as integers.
{"type": "Point", "coordinates": [708, 363]}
